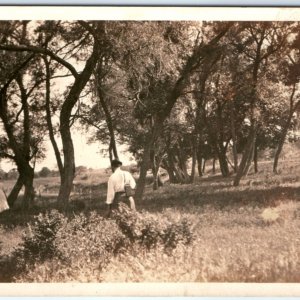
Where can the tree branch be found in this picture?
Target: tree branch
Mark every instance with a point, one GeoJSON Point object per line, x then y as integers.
{"type": "Point", "coordinates": [37, 83]}
{"type": "Point", "coordinates": [87, 120]}
{"type": "Point", "coordinates": [6, 155]}
{"type": "Point", "coordinates": [88, 28]}
{"type": "Point", "coordinates": [17, 116]}
{"type": "Point", "coordinates": [15, 72]}
{"type": "Point", "coordinates": [39, 50]}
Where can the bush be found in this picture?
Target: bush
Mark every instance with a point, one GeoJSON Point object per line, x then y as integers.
{"type": "Point", "coordinates": [150, 230]}
{"type": "Point", "coordinates": [96, 239]}
{"type": "Point", "coordinates": [59, 249]}
{"type": "Point", "coordinates": [39, 241]}
{"type": "Point", "coordinates": [83, 246]}
{"type": "Point", "coordinates": [37, 246]}
{"type": "Point", "coordinates": [177, 233]}
{"type": "Point", "coordinates": [45, 172]}
{"type": "Point", "coordinates": [66, 248]}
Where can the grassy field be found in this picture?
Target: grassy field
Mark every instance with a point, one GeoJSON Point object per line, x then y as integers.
{"type": "Point", "coordinates": [248, 233]}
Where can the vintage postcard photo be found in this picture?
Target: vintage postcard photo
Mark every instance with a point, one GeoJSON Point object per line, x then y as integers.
{"type": "Point", "coordinates": [150, 146]}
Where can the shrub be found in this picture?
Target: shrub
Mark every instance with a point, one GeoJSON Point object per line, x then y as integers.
{"type": "Point", "coordinates": [177, 233]}
{"type": "Point", "coordinates": [96, 239]}
{"type": "Point", "coordinates": [67, 249]}
{"type": "Point", "coordinates": [37, 246]}
{"type": "Point", "coordinates": [39, 241]}
{"type": "Point", "coordinates": [45, 172]}
{"type": "Point", "coordinates": [56, 248]}
{"type": "Point", "coordinates": [150, 230]}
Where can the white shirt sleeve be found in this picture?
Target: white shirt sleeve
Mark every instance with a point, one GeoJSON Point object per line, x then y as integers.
{"type": "Point", "coordinates": [131, 180]}
{"type": "Point", "coordinates": [110, 192]}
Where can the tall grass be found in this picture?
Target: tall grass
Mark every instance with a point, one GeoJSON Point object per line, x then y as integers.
{"type": "Point", "coordinates": [241, 245]}
{"type": "Point", "coordinates": [248, 233]}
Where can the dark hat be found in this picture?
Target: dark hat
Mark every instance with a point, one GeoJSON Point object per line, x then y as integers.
{"type": "Point", "coordinates": [116, 163]}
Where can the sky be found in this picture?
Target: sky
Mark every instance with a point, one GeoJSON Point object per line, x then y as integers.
{"type": "Point", "coordinates": [88, 155]}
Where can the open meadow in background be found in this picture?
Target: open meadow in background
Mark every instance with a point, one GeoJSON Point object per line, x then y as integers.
{"type": "Point", "coordinates": [206, 117]}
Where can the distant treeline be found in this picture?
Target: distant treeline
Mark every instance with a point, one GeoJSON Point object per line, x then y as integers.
{"type": "Point", "coordinates": [13, 173]}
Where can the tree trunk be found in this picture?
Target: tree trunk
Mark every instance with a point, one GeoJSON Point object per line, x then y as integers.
{"type": "Point", "coordinates": [69, 167]}
{"type": "Point", "coordinates": [180, 168]}
{"type": "Point", "coordinates": [234, 139]}
{"type": "Point", "coordinates": [293, 108]}
{"type": "Point", "coordinates": [179, 176]}
{"type": "Point", "coordinates": [112, 150]}
{"type": "Point", "coordinates": [214, 166]}
{"type": "Point", "coordinates": [255, 158]}
{"type": "Point", "coordinates": [174, 165]}
{"type": "Point", "coordinates": [145, 163]}
{"type": "Point", "coordinates": [171, 175]}
{"type": "Point", "coordinates": [157, 182]}
{"type": "Point", "coordinates": [199, 161]}
{"type": "Point", "coordinates": [185, 176]}
{"type": "Point", "coordinates": [13, 195]}
{"type": "Point", "coordinates": [65, 131]}
{"type": "Point", "coordinates": [223, 163]}
{"type": "Point", "coordinates": [29, 190]}
{"type": "Point", "coordinates": [182, 163]}
{"type": "Point", "coordinates": [21, 149]}
{"type": "Point", "coordinates": [199, 166]}
{"type": "Point", "coordinates": [170, 171]}
{"type": "Point", "coordinates": [49, 121]}
{"type": "Point", "coordinates": [155, 178]}
{"type": "Point", "coordinates": [247, 156]}
{"type": "Point", "coordinates": [280, 144]}
{"type": "Point", "coordinates": [276, 158]}
{"type": "Point", "coordinates": [249, 161]}
{"type": "Point", "coordinates": [203, 168]}
{"type": "Point", "coordinates": [171, 160]}
{"type": "Point", "coordinates": [155, 169]}
{"type": "Point", "coordinates": [194, 161]}
{"type": "Point", "coordinates": [108, 118]}
{"type": "Point", "coordinates": [24, 168]}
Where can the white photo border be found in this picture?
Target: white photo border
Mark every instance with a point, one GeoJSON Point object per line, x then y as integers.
{"type": "Point", "coordinates": [150, 13]}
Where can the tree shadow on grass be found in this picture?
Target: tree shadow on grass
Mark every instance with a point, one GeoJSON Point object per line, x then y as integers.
{"type": "Point", "coordinates": [220, 199]}
{"type": "Point", "coordinates": [215, 191]}
{"type": "Point", "coordinates": [84, 203]}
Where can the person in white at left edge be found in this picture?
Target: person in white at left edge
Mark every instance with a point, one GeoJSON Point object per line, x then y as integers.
{"type": "Point", "coordinates": [116, 187]}
{"type": "Point", "coordinates": [3, 200]}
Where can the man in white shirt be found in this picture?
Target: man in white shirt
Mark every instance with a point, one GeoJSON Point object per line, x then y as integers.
{"type": "Point", "coordinates": [116, 186]}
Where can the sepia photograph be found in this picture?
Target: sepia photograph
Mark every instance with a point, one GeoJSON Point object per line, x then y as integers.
{"type": "Point", "coordinates": [149, 151]}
